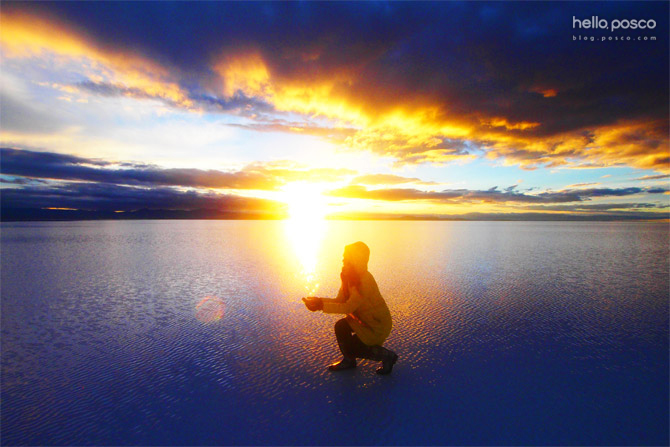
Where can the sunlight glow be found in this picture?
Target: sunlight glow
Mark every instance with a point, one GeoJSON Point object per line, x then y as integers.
{"type": "Point", "coordinates": [305, 227]}
{"type": "Point", "coordinates": [305, 201]}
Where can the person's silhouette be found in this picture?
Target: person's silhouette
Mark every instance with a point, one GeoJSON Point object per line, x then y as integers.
{"type": "Point", "coordinates": [368, 322]}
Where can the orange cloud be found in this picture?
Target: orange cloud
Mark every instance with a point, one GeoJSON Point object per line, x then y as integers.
{"type": "Point", "coordinates": [642, 144]}
{"type": "Point", "coordinates": [25, 36]}
{"type": "Point", "coordinates": [248, 73]}
{"type": "Point", "coordinates": [545, 91]}
{"type": "Point", "coordinates": [395, 131]}
{"type": "Point", "coordinates": [415, 130]}
{"type": "Point", "coordinates": [503, 122]}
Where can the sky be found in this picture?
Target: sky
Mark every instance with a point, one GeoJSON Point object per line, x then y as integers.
{"type": "Point", "coordinates": [344, 109]}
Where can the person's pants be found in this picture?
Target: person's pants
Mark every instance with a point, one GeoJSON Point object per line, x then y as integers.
{"type": "Point", "coordinates": [350, 345]}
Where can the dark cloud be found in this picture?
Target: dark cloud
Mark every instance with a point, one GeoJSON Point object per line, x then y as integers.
{"type": "Point", "coordinates": [20, 181]}
{"type": "Point", "coordinates": [109, 197]}
{"type": "Point", "coordinates": [616, 192]}
{"type": "Point", "coordinates": [254, 176]}
{"type": "Point", "coordinates": [67, 167]}
{"type": "Point", "coordinates": [613, 215]}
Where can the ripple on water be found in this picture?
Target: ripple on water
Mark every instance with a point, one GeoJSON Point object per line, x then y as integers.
{"type": "Point", "coordinates": [107, 337]}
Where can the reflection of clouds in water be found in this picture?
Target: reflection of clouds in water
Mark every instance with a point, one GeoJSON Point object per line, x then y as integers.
{"type": "Point", "coordinates": [209, 310]}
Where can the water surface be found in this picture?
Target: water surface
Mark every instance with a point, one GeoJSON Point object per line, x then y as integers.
{"type": "Point", "coordinates": [508, 333]}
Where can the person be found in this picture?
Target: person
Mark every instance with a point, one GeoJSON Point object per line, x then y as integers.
{"type": "Point", "coordinates": [368, 321]}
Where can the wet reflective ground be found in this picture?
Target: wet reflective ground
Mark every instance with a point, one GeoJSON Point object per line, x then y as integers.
{"type": "Point", "coordinates": [193, 333]}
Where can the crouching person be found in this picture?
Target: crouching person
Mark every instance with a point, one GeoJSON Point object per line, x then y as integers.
{"type": "Point", "coordinates": [368, 321]}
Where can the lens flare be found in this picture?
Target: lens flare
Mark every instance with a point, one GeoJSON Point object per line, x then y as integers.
{"type": "Point", "coordinates": [209, 310]}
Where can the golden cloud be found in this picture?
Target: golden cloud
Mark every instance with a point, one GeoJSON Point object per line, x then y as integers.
{"type": "Point", "coordinates": [642, 144]}
{"type": "Point", "coordinates": [26, 36]}
{"type": "Point", "coordinates": [502, 122]}
{"type": "Point", "coordinates": [286, 171]}
{"type": "Point", "coordinates": [394, 131]}
{"type": "Point", "coordinates": [415, 130]}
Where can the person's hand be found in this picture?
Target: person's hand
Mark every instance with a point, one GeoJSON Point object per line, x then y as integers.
{"type": "Point", "coordinates": [310, 303]}
{"type": "Point", "coordinates": [313, 303]}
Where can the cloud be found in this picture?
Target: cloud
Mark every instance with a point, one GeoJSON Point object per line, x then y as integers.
{"type": "Point", "coordinates": [599, 207]}
{"type": "Point", "coordinates": [388, 179]}
{"type": "Point", "coordinates": [20, 116]}
{"type": "Point", "coordinates": [67, 167]}
{"type": "Point", "coordinates": [612, 215]}
{"type": "Point", "coordinates": [492, 195]}
{"type": "Point", "coordinates": [108, 197]}
{"type": "Point", "coordinates": [255, 176]}
{"type": "Point", "coordinates": [287, 171]}
{"type": "Point", "coordinates": [436, 83]}
{"type": "Point", "coordinates": [19, 181]}
{"type": "Point", "coordinates": [653, 177]}
{"type": "Point", "coordinates": [26, 35]}
{"type": "Point", "coordinates": [336, 134]}
{"type": "Point", "coordinates": [531, 112]}
{"type": "Point", "coordinates": [238, 103]}
{"type": "Point", "coordinates": [581, 185]}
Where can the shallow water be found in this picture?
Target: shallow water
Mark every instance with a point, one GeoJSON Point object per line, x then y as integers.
{"type": "Point", "coordinates": [508, 333]}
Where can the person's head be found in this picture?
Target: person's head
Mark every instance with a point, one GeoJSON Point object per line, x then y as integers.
{"type": "Point", "coordinates": [356, 256]}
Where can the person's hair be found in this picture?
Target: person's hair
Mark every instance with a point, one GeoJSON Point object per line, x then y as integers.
{"type": "Point", "coordinates": [361, 250]}
{"type": "Point", "coordinates": [349, 278]}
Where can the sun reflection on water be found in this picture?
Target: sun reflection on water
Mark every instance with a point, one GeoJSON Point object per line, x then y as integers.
{"type": "Point", "coordinates": [305, 230]}
{"type": "Point", "coordinates": [305, 236]}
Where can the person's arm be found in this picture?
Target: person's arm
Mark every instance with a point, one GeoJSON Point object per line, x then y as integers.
{"type": "Point", "coordinates": [346, 307]}
{"type": "Point", "coordinates": [340, 298]}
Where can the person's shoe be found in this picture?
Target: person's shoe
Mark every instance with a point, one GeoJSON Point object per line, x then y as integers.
{"type": "Point", "coordinates": [388, 360]}
{"type": "Point", "coordinates": [345, 363]}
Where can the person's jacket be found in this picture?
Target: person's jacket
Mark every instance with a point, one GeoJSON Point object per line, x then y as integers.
{"type": "Point", "coordinates": [366, 310]}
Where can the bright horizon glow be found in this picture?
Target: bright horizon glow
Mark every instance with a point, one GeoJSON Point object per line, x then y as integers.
{"type": "Point", "coordinates": [305, 201]}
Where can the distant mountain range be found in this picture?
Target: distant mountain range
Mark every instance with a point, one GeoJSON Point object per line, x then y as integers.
{"type": "Point", "coordinates": [11, 214]}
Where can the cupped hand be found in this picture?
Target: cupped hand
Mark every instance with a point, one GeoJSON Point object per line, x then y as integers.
{"type": "Point", "coordinates": [313, 303]}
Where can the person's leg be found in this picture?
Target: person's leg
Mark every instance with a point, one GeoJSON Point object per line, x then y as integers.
{"type": "Point", "coordinates": [377, 353]}
{"type": "Point", "coordinates": [386, 356]}
{"type": "Point", "coordinates": [344, 338]}
{"type": "Point", "coordinates": [360, 349]}
{"type": "Point", "coordinates": [343, 333]}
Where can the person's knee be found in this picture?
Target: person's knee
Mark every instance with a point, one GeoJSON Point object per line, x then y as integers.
{"type": "Point", "coordinates": [342, 326]}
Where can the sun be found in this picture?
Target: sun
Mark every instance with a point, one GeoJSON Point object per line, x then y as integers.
{"type": "Point", "coordinates": [305, 201]}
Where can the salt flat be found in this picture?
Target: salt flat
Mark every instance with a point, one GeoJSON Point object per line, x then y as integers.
{"type": "Point", "coordinates": [508, 333]}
